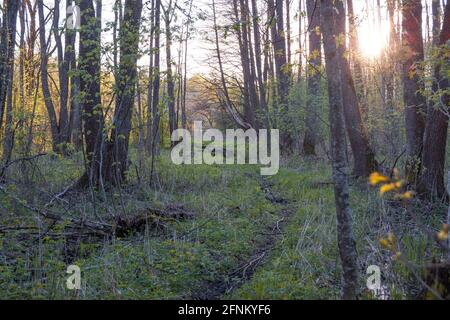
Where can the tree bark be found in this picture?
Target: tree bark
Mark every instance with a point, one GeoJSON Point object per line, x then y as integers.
{"type": "Point", "coordinates": [314, 68]}
{"type": "Point", "coordinates": [346, 241]}
{"type": "Point", "coordinates": [169, 71]}
{"type": "Point", "coordinates": [282, 70]}
{"type": "Point", "coordinates": [156, 80]}
{"type": "Point", "coordinates": [90, 101]}
{"type": "Point", "coordinates": [264, 115]}
{"type": "Point", "coordinates": [11, 18]}
{"type": "Point", "coordinates": [148, 138]}
{"type": "Point", "coordinates": [63, 69]}
{"type": "Point", "coordinates": [74, 134]}
{"type": "Point", "coordinates": [44, 80]}
{"type": "Point", "coordinates": [363, 156]}
{"type": "Point", "coordinates": [117, 162]}
{"type": "Point", "coordinates": [435, 141]}
{"type": "Point", "coordinates": [415, 103]}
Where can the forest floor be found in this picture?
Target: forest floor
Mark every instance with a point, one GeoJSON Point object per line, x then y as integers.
{"type": "Point", "coordinates": [242, 235]}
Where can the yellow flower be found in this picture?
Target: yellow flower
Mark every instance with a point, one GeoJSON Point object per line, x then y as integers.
{"type": "Point", "coordinates": [397, 255]}
{"type": "Point", "coordinates": [386, 188]}
{"type": "Point", "coordinates": [391, 238]}
{"type": "Point", "coordinates": [389, 243]}
{"type": "Point", "coordinates": [443, 234]}
{"type": "Point", "coordinates": [376, 178]}
{"type": "Point", "coordinates": [390, 186]}
{"type": "Point", "coordinates": [406, 196]}
{"type": "Point", "coordinates": [385, 243]}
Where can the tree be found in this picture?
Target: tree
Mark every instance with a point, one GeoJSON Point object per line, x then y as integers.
{"type": "Point", "coordinates": [260, 78]}
{"type": "Point", "coordinates": [250, 97]}
{"type": "Point", "coordinates": [222, 93]}
{"type": "Point", "coordinates": [414, 99]}
{"type": "Point", "coordinates": [54, 127]}
{"type": "Point", "coordinates": [7, 68]}
{"type": "Point", "coordinates": [156, 80]}
{"type": "Point", "coordinates": [90, 99]}
{"type": "Point", "coordinates": [116, 160]}
{"type": "Point", "coordinates": [346, 241]}
{"type": "Point", "coordinates": [314, 66]}
{"type": "Point", "coordinates": [63, 73]}
{"type": "Point", "coordinates": [168, 14]}
{"type": "Point", "coordinates": [282, 68]}
{"type": "Point", "coordinates": [148, 138]}
{"type": "Point", "coordinates": [435, 141]}
{"type": "Point", "coordinates": [70, 61]}
{"type": "Point", "coordinates": [363, 156]}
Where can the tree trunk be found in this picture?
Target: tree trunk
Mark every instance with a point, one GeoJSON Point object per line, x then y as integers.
{"type": "Point", "coordinates": [148, 138]}
{"type": "Point", "coordinates": [415, 103]}
{"type": "Point", "coordinates": [11, 18]}
{"type": "Point", "coordinates": [169, 71]}
{"type": "Point", "coordinates": [314, 68]}
{"type": "Point", "coordinates": [74, 133]}
{"type": "Point", "coordinates": [63, 70]}
{"type": "Point", "coordinates": [363, 156]}
{"type": "Point", "coordinates": [44, 80]}
{"type": "Point", "coordinates": [7, 34]}
{"type": "Point", "coordinates": [282, 70]}
{"type": "Point", "coordinates": [156, 81]}
{"type": "Point", "coordinates": [355, 55]}
{"type": "Point", "coordinates": [241, 17]}
{"type": "Point", "coordinates": [346, 241]}
{"type": "Point", "coordinates": [435, 142]}
{"type": "Point", "coordinates": [89, 69]}
{"type": "Point", "coordinates": [288, 31]}
{"type": "Point", "coordinates": [183, 104]}
{"type": "Point", "coordinates": [264, 115]}
{"type": "Point", "coordinates": [224, 92]}
{"type": "Point", "coordinates": [116, 164]}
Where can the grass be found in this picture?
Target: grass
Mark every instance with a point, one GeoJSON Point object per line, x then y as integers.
{"type": "Point", "coordinates": [232, 219]}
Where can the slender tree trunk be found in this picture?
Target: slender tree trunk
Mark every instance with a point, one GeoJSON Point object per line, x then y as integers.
{"type": "Point", "coordinates": [300, 49]}
{"type": "Point", "coordinates": [264, 117]}
{"type": "Point", "coordinates": [169, 71]}
{"type": "Point", "coordinates": [282, 70]}
{"type": "Point", "coordinates": [63, 70]}
{"type": "Point", "coordinates": [346, 241]}
{"type": "Point", "coordinates": [253, 75]}
{"type": "Point", "coordinates": [288, 31]}
{"type": "Point", "coordinates": [183, 104]}
{"type": "Point", "coordinates": [11, 18]}
{"type": "Point", "coordinates": [74, 133]}
{"type": "Point", "coordinates": [249, 84]}
{"type": "Point", "coordinates": [435, 142]}
{"type": "Point", "coordinates": [156, 81]}
{"type": "Point", "coordinates": [44, 80]}
{"type": "Point", "coordinates": [355, 57]}
{"type": "Point", "coordinates": [148, 138]}
{"type": "Point", "coordinates": [117, 162]}
{"type": "Point", "coordinates": [363, 156]}
{"type": "Point", "coordinates": [224, 92]}
{"type": "Point", "coordinates": [314, 69]}
{"type": "Point", "coordinates": [412, 87]}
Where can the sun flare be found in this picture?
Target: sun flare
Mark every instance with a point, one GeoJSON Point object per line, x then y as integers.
{"type": "Point", "coordinates": [372, 40]}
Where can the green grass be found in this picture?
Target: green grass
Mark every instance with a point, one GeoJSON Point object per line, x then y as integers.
{"type": "Point", "coordinates": [231, 219]}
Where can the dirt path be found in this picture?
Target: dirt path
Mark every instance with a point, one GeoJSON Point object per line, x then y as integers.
{"type": "Point", "coordinates": [227, 283]}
